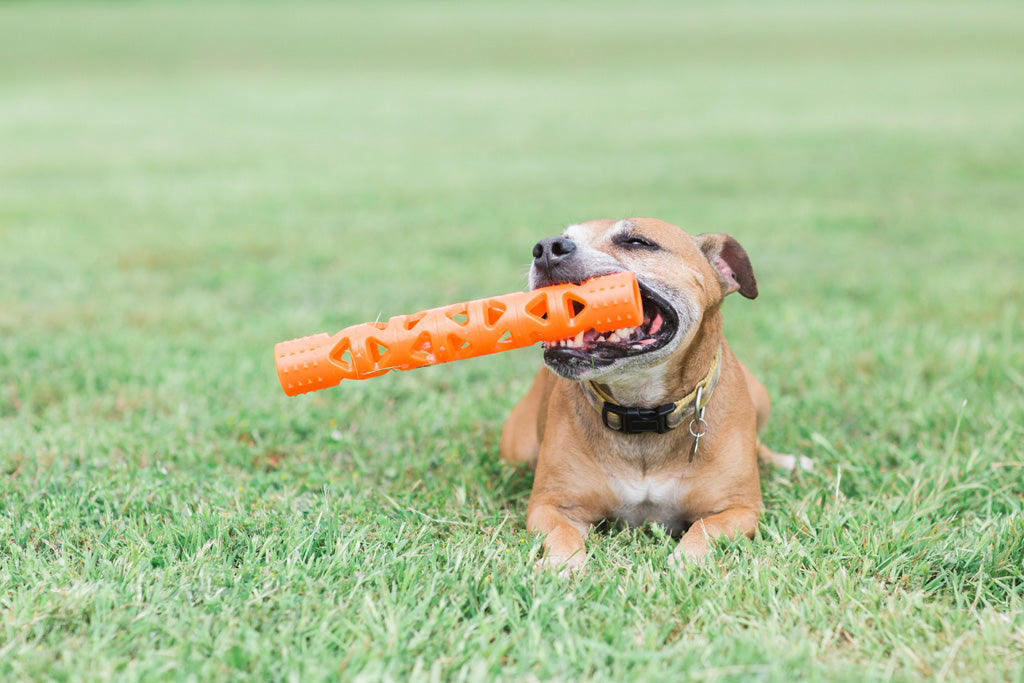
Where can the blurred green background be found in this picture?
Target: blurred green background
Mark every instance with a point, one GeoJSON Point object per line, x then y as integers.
{"type": "Point", "coordinates": [184, 184]}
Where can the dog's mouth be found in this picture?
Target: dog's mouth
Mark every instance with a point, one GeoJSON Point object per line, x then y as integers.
{"type": "Point", "coordinates": [598, 349]}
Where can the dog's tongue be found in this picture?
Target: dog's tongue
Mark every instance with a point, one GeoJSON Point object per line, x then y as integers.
{"type": "Point", "coordinates": [655, 324]}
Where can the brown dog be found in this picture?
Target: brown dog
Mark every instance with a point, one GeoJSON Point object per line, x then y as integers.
{"type": "Point", "coordinates": [655, 423]}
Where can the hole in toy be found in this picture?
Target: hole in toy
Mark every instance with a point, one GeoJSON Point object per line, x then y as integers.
{"type": "Point", "coordinates": [459, 317]}
{"type": "Point", "coordinates": [375, 349]}
{"type": "Point", "coordinates": [493, 313]}
{"type": "Point", "coordinates": [538, 307]}
{"type": "Point", "coordinates": [574, 305]}
{"type": "Point", "coordinates": [411, 321]}
{"type": "Point", "coordinates": [423, 349]}
{"type": "Point", "coordinates": [457, 343]}
{"type": "Point", "coordinates": [342, 354]}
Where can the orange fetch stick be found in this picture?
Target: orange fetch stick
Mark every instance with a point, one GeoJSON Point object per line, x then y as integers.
{"type": "Point", "coordinates": [465, 330]}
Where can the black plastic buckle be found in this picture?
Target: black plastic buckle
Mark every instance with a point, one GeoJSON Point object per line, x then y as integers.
{"type": "Point", "coordinates": [638, 420]}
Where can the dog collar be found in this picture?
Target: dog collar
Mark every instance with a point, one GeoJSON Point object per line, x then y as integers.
{"type": "Point", "coordinates": [664, 418]}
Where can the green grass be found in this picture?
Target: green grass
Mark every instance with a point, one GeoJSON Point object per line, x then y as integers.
{"type": "Point", "coordinates": [182, 186]}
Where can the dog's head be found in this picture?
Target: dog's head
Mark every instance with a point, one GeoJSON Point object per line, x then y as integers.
{"type": "Point", "coordinates": [681, 277]}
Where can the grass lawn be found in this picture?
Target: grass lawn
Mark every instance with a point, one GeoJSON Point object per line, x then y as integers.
{"type": "Point", "coordinates": [183, 185]}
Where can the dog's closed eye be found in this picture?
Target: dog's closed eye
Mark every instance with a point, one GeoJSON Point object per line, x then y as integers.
{"type": "Point", "coordinates": [635, 242]}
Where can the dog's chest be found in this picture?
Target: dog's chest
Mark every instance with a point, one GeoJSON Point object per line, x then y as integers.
{"type": "Point", "coordinates": [649, 498]}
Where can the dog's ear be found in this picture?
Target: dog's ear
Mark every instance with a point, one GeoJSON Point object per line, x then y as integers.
{"type": "Point", "coordinates": [730, 261]}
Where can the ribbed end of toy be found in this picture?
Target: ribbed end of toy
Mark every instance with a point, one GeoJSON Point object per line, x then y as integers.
{"type": "Point", "coordinates": [610, 302]}
{"type": "Point", "coordinates": [304, 364]}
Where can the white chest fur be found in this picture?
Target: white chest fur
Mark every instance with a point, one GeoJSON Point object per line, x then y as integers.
{"type": "Point", "coordinates": [650, 498]}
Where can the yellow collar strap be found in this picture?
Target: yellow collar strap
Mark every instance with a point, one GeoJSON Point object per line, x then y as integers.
{"type": "Point", "coordinates": [664, 418]}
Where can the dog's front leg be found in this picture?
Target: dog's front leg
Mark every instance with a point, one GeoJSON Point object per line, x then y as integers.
{"type": "Point", "coordinates": [563, 537]}
{"type": "Point", "coordinates": [696, 542]}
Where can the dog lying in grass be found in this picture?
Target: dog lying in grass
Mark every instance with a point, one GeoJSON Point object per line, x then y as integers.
{"type": "Point", "coordinates": [653, 423]}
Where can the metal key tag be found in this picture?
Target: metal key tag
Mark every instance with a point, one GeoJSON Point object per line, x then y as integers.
{"type": "Point", "coordinates": [698, 422]}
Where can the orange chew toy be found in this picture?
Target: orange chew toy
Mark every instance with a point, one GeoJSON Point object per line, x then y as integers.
{"type": "Point", "coordinates": [458, 331]}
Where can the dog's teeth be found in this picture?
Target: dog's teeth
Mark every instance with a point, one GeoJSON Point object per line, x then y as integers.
{"type": "Point", "coordinates": [578, 341]}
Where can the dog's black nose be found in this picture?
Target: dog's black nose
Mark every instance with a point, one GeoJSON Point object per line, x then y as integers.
{"type": "Point", "coordinates": [551, 251]}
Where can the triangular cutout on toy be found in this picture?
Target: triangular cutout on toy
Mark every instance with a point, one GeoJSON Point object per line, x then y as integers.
{"type": "Point", "coordinates": [459, 315]}
{"type": "Point", "coordinates": [458, 342]}
{"type": "Point", "coordinates": [423, 348]}
{"type": "Point", "coordinates": [538, 307]}
{"type": "Point", "coordinates": [341, 354]}
{"type": "Point", "coordinates": [574, 305]}
{"type": "Point", "coordinates": [493, 312]}
{"type": "Point", "coordinates": [410, 321]}
{"type": "Point", "coordinates": [376, 349]}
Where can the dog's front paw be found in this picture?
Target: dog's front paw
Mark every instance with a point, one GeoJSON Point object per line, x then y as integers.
{"type": "Point", "coordinates": [784, 461]}
{"type": "Point", "coordinates": [683, 555]}
{"type": "Point", "coordinates": [788, 462]}
{"type": "Point", "coordinates": [565, 566]}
